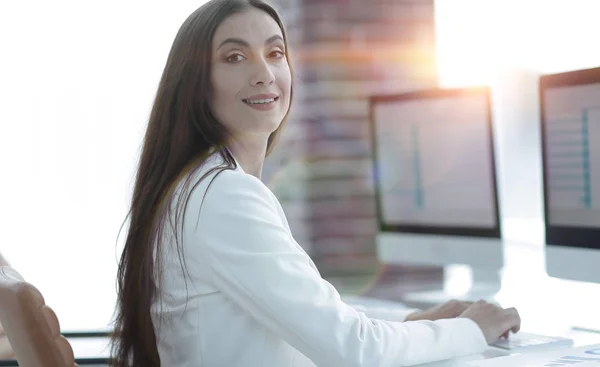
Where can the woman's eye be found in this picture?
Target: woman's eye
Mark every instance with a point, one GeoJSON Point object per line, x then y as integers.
{"type": "Point", "coordinates": [277, 54]}
{"type": "Point", "coordinates": [235, 58]}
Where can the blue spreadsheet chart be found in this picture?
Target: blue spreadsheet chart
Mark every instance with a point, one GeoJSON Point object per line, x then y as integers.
{"type": "Point", "coordinates": [435, 162]}
{"type": "Point", "coordinates": [572, 133]}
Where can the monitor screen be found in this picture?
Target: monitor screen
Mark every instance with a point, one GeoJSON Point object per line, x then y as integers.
{"type": "Point", "coordinates": [571, 156]}
{"type": "Point", "coordinates": [434, 162]}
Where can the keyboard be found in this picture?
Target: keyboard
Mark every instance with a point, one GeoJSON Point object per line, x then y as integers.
{"type": "Point", "coordinates": [525, 342]}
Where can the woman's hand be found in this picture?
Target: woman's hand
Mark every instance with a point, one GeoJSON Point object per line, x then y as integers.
{"type": "Point", "coordinates": [448, 310]}
{"type": "Point", "coordinates": [494, 321]}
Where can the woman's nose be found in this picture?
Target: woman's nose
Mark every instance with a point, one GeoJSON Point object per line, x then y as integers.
{"type": "Point", "coordinates": [262, 75]}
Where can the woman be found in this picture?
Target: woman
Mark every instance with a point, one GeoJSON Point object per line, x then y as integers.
{"type": "Point", "coordinates": [210, 274]}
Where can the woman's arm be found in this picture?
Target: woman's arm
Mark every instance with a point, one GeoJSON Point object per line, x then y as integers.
{"type": "Point", "coordinates": [5, 348]}
{"type": "Point", "coordinates": [384, 313]}
{"type": "Point", "coordinates": [6, 351]}
{"type": "Point", "coordinates": [447, 310]}
{"type": "Point", "coordinates": [254, 261]}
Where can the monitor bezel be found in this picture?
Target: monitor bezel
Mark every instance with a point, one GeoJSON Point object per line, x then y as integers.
{"type": "Point", "coordinates": [491, 232]}
{"type": "Point", "coordinates": [560, 235]}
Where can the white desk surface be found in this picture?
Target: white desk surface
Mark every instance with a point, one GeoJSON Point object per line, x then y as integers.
{"type": "Point", "coordinates": [547, 306]}
{"type": "Point", "coordinates": [580, 338]}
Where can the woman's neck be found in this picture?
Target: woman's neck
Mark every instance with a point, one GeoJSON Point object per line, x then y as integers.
{"type": "Point", "coordinates": [250, 154]}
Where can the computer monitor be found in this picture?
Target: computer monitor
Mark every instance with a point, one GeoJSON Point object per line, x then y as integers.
{"type": "Point", "coordinates": [435, 182]}
{"type": "Point", "coordinates": [570, 129]}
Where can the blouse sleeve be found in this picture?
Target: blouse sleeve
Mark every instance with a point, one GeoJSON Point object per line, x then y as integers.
{"type": "Point", "coordinates": [254, 261]}
{"type": "Point", "coordinates": [383, 313]}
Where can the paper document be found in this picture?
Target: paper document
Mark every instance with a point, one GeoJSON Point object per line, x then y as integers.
{"type": "Point", "coordinates": [588, 356]}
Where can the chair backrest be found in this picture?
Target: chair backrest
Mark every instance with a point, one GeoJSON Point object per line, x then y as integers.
{"type": "Point", "coordinates": [31, 326]}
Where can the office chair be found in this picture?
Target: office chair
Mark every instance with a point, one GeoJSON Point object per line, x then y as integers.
{"type": "Point", "coordinates": [31, 326]}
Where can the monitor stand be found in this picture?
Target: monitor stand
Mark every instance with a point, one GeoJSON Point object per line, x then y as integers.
{"type": "Point", "coordinates": [484, 284]}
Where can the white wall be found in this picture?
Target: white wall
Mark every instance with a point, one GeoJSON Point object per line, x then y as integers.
{"type": "Point", "coordinates": [77, 79]}
{"type": "Point", "coordinates": [508, 44]}
{"type": "Point", "coordinates": [476, 40]}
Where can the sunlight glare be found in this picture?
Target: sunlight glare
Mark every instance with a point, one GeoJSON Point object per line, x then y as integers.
{"type": "Point", "coordinates": [479, 39]}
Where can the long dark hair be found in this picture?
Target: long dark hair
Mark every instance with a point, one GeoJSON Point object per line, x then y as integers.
{"type": "Point", "coordinates": [181, 133]}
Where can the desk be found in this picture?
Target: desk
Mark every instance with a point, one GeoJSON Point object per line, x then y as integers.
{"type": "Point", "coordinates": [90, 349]}
{"type": "Point", "coordinates": [547, 306]}
{"type": "Point", "coordinates": [580, 339]}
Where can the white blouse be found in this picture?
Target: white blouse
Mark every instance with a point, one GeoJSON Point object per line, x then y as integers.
{"type": "Point", "coordinates": [251, 296]}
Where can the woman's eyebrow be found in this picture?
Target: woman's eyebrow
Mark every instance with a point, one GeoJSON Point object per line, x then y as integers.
{"type": "Point", "coordinates": [241, 42]}
{"type": "Point", "coordinates": [273, 39]}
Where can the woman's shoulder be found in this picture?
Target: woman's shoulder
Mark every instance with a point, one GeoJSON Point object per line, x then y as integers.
{"type": "Point", "coordinates": [224, 191]}
{"type": "Point", "coordinates": [235, 183]}
{"type": "Point", "coordinates": [216, 179]}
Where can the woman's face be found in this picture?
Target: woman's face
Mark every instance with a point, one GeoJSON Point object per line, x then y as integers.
{"type": "Point", "coordinates": [250, 74]}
